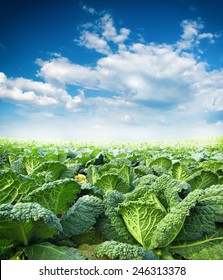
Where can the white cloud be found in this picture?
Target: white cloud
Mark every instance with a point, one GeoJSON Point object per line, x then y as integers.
{"type": "Point", "coordinates": [110, 32]}
{"type": "Point", "coordinates": [209, 36]}
{"type": "Point", "coordinates": [29, 92]}
{"type": "Point", "coordinates": [89, 10]}
{"type": "Point", "coordinates": [209, 91]}
{"type": "Point", "coordinates": [190, 29]}
{"type": "Point", "coordinates": [192, 37]}
{"type": "Point", "coordinates": [40, 88]}
{"type": "Point", "coordinates": [16, 90]}
{"type": "Point", "coordinates": [73, 102]}
{"type": "Point", "coordinates": [61, 71]}
{"type": "Point", "coordinates": [93, 41]}
{"type": "Point", "coordinates": [99, 35]}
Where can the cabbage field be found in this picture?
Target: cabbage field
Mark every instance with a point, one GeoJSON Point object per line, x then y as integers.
{"type": "Point", "coordinates": [131, 201]}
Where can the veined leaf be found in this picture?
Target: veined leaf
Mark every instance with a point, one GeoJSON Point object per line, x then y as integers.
{"type": "Point", "coordinates": [180, 171]}
{"type": "Point", "coordinates": [163, 162]}
{"type": "Point", "coordinates": [88, 188]}
{"type": "Point", "coordinates": [145, 180]}
{"type": "Point", "coordinates": [13, 186]}
{"type": "Point", "coordinates": [207, 249]}
{"type": "Point", "coordinates": [48, 171]}
{"type": "Point", "coordinates": [31, 162]}
{"type": "Point", "coordinates": [56, 196]}
{"type": "Point", "coordinates": [110, 182]}
{"type": "Point", "coordinates": [18, 167]}
{"type": "Point", "coordinates": [6, 248]}
{"type": "Point", "coordinates": [147, 220]}
{"type": "Point", "coordinates": [56, 155]}
{"type": "Point", "coordinates": [11, 158]}
{"type": "Point", "coordinates": [213, 165]}
{"type": "Point", "coordinates": [121, 167]}
{"type": "Point", "coordinates": [83, 156]}
{"type": "Point", "coordinates": [71, 171]}
{"type": "Point", "coordinates": [141, 217]}
{"type": "Point", "coordinates": [202, 179]}
{"type": "Point", "coordinates": [48, 251]}
{"type": "Point", "coordinates": [142, 170]}
{"type": "Point", "coordinates": [92, 174]}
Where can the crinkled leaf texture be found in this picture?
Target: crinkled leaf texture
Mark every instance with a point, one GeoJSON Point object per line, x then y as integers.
{"type": "Point", "coordinates": [112, 226]}
{"type": "Point", "coordinates": [27, 222]}
{"type": "Point", "coordinates": [82, 215]}
{"type": "Point", "coordinates": [201, 237]}
{"type": "Point", "coordinates": [170, 191]}
{"type": "Point", "coordinates": [48, 251]}
{"type": "Point", "coordinates": [71, 171]}
{"type": "Point", "coordinates": [115, 250]}
{"type": "Point", "coordinates": [169, 227]}
{"type": "Point", "coordinates": [206, 218]}
{"type": "Point", "coordinates": [92, 174]}
{"type": "Point", "coordinates": [56, 196]}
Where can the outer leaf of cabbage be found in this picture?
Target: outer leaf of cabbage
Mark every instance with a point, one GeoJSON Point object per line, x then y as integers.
{"type": "Point", "coordinates": [202, 179]}
{"type": "Point", "coordinates": [56, 196]}
{"type": "Point", "coordinates": [82, 215]}
{"type": "Point", "coordinates": [207, 249]}
{"type": "Point", "coordinates": [170, 191]}
{"type": "Point", "coordinates": [118, 230]}
{"type": "Point", "coordinates": [206, 218]}
{"type": "Point", "coordinates": [110, 182]}
{"type": "Point", "coordinates": [27, 222]}
{"type": "Point", "coordinates": [13, 186]}
{"type": "Point", "coordinates": [48, 251]}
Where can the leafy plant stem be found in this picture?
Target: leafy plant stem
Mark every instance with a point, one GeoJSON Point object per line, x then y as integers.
{"type": "Point", "coordinates": [24, 237]}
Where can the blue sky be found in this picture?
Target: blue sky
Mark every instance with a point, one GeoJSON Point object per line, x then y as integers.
{"type": "Point", "coordinates": [111, 70]}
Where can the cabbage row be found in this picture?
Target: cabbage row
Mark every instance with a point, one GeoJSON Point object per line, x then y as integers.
{"type": "Point", "coordinates": [79, 202]}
